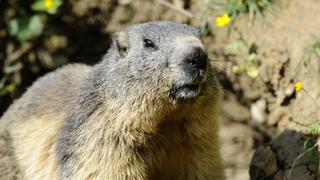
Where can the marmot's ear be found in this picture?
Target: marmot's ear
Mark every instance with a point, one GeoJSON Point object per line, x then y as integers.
{"type": "Point", "coordinates": [121, 43]}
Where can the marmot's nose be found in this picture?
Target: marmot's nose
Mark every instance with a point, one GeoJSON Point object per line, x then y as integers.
{"type": "Point", "coordinates": [196, 63]}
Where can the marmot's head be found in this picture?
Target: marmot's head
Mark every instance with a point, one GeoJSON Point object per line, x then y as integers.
{"type": "Point", "coordinates": [162, 58]}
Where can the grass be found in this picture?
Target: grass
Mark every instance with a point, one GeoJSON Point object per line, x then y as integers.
{"type": "Point", "coordinates": [253, 7]}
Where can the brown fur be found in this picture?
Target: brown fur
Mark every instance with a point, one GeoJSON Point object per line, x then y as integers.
{"type": "Point", "coordinates": [174, 147]}
{"type": "Point", "coordinates": [8, 162]}
{"type": "Point", "coordinates": [137, 138]}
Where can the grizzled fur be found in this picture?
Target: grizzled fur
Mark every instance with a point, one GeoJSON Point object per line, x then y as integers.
{"type": "Point", "coordinates": [119, 119]}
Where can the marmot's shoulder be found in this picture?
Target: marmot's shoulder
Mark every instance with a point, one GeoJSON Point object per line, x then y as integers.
{"type": "Point", "coordinates": [67, 73]}
{"type": "Point", "coordinates": [60, 82]}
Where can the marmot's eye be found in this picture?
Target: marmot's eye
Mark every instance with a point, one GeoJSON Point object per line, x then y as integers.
{"type": "Point", "coordinates": [147, 43]}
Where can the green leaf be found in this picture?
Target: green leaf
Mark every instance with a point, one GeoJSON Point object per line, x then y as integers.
{"type": "Point", "coordinates": [252, 57]}
{"type": "Point", "coordinates": [13, 27]}
{"type": "Point", "coordinates": [314, 129]}
{"type": "Point", "coordinates": [26, 28]}
{"type": "Point", "coordinates": [9, 89]}
{"type": "Point", "coordinates": [38, 6]}
{"type": "Point", "coordinates": [317, 50]}
{"type": "Point", "coordinates": [311, 153]}
{"type": "Point", "coordinates": [35, 25]}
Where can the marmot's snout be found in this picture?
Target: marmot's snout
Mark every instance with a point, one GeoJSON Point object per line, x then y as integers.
{"type": "Point", "coordinates": [194, 68]}
{"type": "Point", "coordinates": [196, 65]}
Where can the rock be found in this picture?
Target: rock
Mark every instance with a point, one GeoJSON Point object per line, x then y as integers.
{"type": "Point", "coordinates": [299, 173]}
{"type": "Point", "coordinates": [263, 164]}
{"type": "Point", "coordinates": [284, 158]}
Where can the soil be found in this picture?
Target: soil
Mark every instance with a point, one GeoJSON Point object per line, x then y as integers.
{"type": "Point", "coordinates": [281, 40]}
{"type": "Point", "coordinates": [256, 108]}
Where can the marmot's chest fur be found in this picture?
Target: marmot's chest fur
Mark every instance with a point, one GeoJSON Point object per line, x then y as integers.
{"type": "Point", "coordinates": [148, 110]}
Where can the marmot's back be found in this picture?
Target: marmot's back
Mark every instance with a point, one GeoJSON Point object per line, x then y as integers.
{"type": "Point", "coordinates": [50, 94]}
{"type": "Point", "coordinates": [34, 119]}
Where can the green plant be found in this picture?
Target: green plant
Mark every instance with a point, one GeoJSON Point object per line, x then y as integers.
{"type": "Point", "coordinates": [205, 25]}
{"type": "Point", "coordinates": [253, 7]}
{"type": "Point", "coordinates": [8, 89]}
{"type": "Point", "coordinates": [29, 21]}
{"type": "Point", "coordinates": [49, 6]}
{"type": "Point", "coordinates": [251, 63]}
{"type": "Point", "coordinates": [250, 67]}
{"type": "Point", "coordinates": [309, 147]}
{"type": "Point", "coordinates": [26, 27]}
{"type": "Point", "coordinates": [231, 9]}
{"type": "Point", "coordinates": [312, 142]}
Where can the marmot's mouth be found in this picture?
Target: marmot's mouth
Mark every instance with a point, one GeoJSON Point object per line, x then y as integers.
{"type": "Point", "coordinates": [186, 92]}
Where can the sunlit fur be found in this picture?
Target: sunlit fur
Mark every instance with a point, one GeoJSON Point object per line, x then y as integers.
{"type": "Point", "coordinates": [117, 120]}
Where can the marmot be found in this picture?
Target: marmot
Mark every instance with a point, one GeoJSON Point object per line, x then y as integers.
{"type": "Point", "coordinates": [148, 110]}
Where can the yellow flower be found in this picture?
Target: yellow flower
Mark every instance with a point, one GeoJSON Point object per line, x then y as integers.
{"type": "Point", "coordinates": [223, 20]}
{"type": "Point", "coordinates": [48, 4]}
{"type": "Point", "coordinates": [298, 86]}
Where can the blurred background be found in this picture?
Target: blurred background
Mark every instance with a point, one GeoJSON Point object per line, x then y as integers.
{"type": "Point", "coordinates": [267, 53]}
